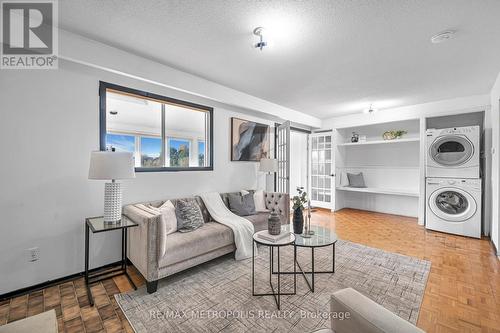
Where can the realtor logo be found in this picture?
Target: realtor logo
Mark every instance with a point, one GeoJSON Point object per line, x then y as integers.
{"type": "Point", "coordinates": [29, 34]}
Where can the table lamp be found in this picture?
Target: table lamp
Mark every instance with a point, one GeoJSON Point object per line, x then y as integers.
{"type": "Point", "coordinates": [269, 166]}
{"type": "Point", "coordinates": [110, 165]}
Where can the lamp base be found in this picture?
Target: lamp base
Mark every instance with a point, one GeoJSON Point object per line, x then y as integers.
{"type": "Point", "coordinates": [112, 203]}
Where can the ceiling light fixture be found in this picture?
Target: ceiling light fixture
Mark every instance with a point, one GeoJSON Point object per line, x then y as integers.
{"type": "Point", "coordinates": [443, 36]}
{"type": "Point", "coordinates": [259, 32]}
{"type": "Point", "coordinates": [370, 110]}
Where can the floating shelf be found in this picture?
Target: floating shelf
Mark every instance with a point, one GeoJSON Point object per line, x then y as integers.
{"type": "Point", "coordinates": [374, 190]}
{"type": "Point", "coordinates": [378, 142]}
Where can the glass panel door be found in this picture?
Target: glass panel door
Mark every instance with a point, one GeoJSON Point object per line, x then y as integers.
{"type": "Point", "coordinates": [283, 156]}
{"type": "Point", "coordinates": [322, 172]}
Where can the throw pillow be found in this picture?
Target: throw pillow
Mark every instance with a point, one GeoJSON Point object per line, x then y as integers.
{"type": "Point", "coordinates": [259, 199]}
{"type": "Point", "coordinates": [356, 179]}
{"type": "Point", "coordinates": [169, 220]}
{"type": "Point", "coordinates": [241, 205]}
{"type": "Point", "coordinates": [189, 216]}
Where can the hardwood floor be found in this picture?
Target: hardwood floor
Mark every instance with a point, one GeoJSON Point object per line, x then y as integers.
{"type": "Point", "coordinates": [462, 293]}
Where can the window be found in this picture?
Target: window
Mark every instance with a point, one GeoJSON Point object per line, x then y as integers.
{"type": "Point", "coordinates": [151, 152]}
{"type": "Point", "coordinates": [179, 152]}
{"type": "Point", "coordinates": [119, 142]}
{"type": "Point", "coordinates": [201, 153]}
{"type": "Point", "coordinates": [164, 134]}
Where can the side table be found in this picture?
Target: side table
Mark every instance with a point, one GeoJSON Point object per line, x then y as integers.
{"type": "Point", "coordinates": [96, 225]}
{"type": "Point", "coordinates": [290, 240]}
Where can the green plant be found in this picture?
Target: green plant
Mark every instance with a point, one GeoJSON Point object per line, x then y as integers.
{"type": "Point", "coordinates": [300, 200]}
{"type": "Point", "coordinates": [394, 134]}
{"type": "Point", "coordinates": [398, 133]}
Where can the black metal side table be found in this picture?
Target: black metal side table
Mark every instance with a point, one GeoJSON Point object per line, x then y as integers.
{"type": "Point", "coordinates": [321, 237]}
{"type": "Point", "coordinates": [96, 225]}
{"type": "Point", "coordinates": [272, 245]}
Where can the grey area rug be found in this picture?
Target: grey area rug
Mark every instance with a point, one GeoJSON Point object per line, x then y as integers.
{"type": "Point", "coordinates": [217, 296]}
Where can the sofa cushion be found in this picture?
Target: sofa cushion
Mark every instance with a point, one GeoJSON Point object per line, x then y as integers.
{"type": "Point", "coordinates": [188, 215]}
{"type": "Point", "coordinates": [168, 217]}
{"type": "Point", "coordinates": [183, 246]}
{"type": "Point", "coordinates": [259, 198]}
{"type": "Point", "coordinates": [241, 205]}
{"type": "Point", "coordinates": [259, 221]}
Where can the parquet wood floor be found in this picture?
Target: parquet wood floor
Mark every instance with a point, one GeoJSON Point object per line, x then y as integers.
{"type": "Point", "coordinates": [462, 293]}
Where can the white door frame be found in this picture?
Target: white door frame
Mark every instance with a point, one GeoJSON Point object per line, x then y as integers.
{"type": "Point", "coordinates": [317, 203]}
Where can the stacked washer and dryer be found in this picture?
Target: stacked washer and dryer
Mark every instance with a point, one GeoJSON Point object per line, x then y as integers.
{"type": "Point", "coordinates": [453, 181]}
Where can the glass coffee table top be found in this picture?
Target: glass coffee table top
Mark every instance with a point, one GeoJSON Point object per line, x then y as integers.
{"type": "Point", "coordinates": [322, 236]}
{"type": "Point", "coordinates": [97, 224]}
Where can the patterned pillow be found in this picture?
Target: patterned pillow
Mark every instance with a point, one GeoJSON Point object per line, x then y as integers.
{"type": "Point", "coordinates": [189, 216]}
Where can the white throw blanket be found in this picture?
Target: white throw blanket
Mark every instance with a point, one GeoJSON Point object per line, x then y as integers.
{"type": "Point", "coordinates": [242, 228]}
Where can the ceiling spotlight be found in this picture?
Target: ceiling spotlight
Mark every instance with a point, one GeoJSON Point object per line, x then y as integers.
{"type": "Point", "coordinates": [370, 110]}
{"type": "Point", "coordinates": [113, 112]}
{"type": "Point", "coordinates": [259, 32]}
{"type": "Point", "coordinates": [443, 36]}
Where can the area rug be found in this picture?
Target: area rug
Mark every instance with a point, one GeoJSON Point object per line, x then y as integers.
{"type": "Point", "coordinates": [217, 296]}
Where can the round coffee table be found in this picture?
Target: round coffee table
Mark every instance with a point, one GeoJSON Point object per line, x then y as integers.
{"type": "Point", "coordinates": [272, 245]}
{"type": "Point", "coordinates": [322, 237]}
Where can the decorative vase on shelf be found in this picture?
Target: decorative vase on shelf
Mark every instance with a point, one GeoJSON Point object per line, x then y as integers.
{"type": "Point", "coordinates": [274, 223]}
{"type": "Point", "coordinates": [298, 221]}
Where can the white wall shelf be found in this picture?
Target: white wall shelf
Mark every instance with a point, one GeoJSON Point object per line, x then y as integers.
{"type": "Point", "coordinates": [377, 142]}
{"type": "Point", "coordinates": [391, 168]}
{"type": "Point", "coordinates": [400, 192]}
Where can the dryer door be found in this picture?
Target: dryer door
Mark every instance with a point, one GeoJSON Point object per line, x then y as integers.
{"type": "Point", "coordinates": [451, 150]}
{"type": "Point", "coordinates": [452, 204]}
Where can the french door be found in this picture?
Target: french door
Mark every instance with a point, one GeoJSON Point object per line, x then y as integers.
{"type": "Point", "coordinates": [283, 157]}
{"type": "Point", "coordinates": [322, 175]}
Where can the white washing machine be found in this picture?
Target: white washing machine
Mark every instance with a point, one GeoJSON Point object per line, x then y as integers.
{"type": "Point", "coordinates": [454, 206]}
{"type": "Point", "coordinates": [453, 152]}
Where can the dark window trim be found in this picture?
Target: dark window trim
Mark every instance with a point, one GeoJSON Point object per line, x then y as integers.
{"type": "Point", "coordinates": [103, 86]}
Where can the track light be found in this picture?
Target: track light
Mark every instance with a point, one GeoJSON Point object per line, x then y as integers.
{"type": "Point", "coordinates": [259, 32]}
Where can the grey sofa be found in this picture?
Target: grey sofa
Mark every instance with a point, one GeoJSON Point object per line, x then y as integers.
{"type": "Point", "coordinates": [352, 312]}
{"type": "Point", "coordinates": [157, 256]}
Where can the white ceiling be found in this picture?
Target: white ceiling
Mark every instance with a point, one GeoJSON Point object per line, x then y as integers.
{"type": "Point", "coordinates": [329, 57]}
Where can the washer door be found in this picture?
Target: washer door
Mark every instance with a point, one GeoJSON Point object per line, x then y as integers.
{"type": "Point", "coordinates": [452, 204]}
{"type": "Point", "coordinates": [451, 150]}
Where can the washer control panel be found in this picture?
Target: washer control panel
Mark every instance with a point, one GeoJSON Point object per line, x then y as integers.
{"type": "Point", "coordinates": [457, 182]}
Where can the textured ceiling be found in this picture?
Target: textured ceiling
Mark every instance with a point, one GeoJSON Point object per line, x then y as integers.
{"type": "Point", "coordinates": [327, 57]}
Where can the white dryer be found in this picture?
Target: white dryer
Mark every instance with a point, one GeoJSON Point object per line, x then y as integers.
{"type": "Point", "coordinates": [453, 152]}
{"type": "Point", "coordinates": [454, 206]}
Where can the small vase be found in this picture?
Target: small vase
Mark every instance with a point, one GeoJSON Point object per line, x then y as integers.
{"type": "Point", "coordinates": [274, 224]}
{"type": "Point", "coordinates": [298, 221]}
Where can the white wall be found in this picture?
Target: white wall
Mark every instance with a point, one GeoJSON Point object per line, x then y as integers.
{"type": "Point", "coordinates": [49, 124]}
{"type": "Point", "coordinates": [495, 171]}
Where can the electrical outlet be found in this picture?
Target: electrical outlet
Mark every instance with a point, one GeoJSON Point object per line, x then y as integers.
{"type": "Point", "coordinates": [33, 254]}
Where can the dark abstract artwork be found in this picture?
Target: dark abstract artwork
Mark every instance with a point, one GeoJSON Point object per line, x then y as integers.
{"type": "Point", "coordinates": [249, 140]}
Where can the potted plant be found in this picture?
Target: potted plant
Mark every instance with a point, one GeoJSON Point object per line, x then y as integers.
{"type": "Point", "coordinates": [395, 134]}
{"type": "Point", "coordinates": [299, 202]}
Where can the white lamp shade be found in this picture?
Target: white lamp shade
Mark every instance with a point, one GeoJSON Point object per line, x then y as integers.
{"type": "Point", "coordinates": [268, 165]}
{"type": "Point", "coordinates": [108, 165]}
